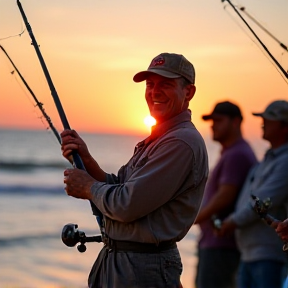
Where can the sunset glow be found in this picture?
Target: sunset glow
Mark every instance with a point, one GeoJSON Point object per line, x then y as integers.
{"type": "Point", "coordinates": [149, 121]}
{"type": "Point", "coordinates": [92, 61]}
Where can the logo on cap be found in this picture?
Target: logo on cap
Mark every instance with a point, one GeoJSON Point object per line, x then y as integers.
{"type": "Point", "coordinates": [158, 61]}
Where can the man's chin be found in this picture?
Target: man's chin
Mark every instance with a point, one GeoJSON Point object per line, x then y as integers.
{"type": "Point", "coordinates": [157, 116]}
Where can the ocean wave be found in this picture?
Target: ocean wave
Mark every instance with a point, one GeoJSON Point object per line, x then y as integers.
{"type": "Point", "coordinates": [28, 190]}
{"type": "Point", "coordinates": [24, 166]}
{"type": "Point", "coordinates": [24, 240]}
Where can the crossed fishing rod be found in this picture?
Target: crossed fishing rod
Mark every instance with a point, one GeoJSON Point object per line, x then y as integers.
{"type": "Point", "coordinates": [38, 103]}
{"type": "Point", "coordinates": [70, 233]}
{"type": "Point", "coordinates": [285, 73]}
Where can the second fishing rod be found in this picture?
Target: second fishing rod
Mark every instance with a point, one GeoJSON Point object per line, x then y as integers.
{"type": "Point", "coordinates": [76, 158]}
{"type": "Point", "coordinates": [258, 39]}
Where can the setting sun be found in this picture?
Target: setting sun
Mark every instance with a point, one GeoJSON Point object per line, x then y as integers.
{"type": "Point", "coordinates": [149, 121]}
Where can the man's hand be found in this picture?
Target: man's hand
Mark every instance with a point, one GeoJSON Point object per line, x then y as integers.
{"type": "Point", "coordinates": [228, 227]}
{"type": "Point", "coordinates": [281, 229]}
{"type": "Point", "coordinates": [78, 183]}
{"type": "Point", "coordinates": [71, 141]}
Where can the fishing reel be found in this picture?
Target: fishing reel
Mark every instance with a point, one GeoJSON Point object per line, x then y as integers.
{"type": "Point", "coordinates": [261, 208]}
{"type": "Point", "coordinates": [71, 236]}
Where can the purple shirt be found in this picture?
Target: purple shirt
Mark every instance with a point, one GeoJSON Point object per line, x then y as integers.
{"type": "Point", "coordinates": [231, 169]}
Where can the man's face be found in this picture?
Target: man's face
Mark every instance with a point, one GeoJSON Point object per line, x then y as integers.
{"type": "Point", "coordinates": [222, 126]}
{"type": "Point", "coordinates": [166, 97]}
{"type": "Point", "coordinates": [271, 129]}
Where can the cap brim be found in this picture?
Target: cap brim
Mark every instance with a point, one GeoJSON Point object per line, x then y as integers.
{"type": "Point", "coordinates": [258, 114]}
{"type": "Point", "coordinates": [267, 116]}
{"type": "Point", "coordinates": [207, 117]}
{"type": "Point", "coordinates": [143, 75]}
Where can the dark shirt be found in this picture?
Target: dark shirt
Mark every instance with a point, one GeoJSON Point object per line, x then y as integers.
{"type": "Point", "coordinates": [231, 169]}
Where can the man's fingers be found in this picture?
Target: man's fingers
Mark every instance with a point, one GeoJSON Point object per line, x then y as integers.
{"type": "Point", "coordinates": [67, 172]}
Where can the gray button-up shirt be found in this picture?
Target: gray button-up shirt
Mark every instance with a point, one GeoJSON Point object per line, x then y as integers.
{"type": "Point", "coordinates": [156, 196]}
{"type": "Point", "coordinates": [269, 179]}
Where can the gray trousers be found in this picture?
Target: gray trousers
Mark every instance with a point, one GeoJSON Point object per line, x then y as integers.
{"type": "Point", "coordinates": [118, 269]}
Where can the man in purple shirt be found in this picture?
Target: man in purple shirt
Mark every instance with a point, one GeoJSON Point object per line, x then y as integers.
{"type": "Point", "coordinates": [219, 256]}
{"type": "Point", "coordinates": [263, 263]}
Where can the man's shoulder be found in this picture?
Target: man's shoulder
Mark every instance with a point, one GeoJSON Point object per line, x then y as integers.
{"type": "Point", "coordinates": [239, 157]}
{"type": "Point", "coordinates": [240, 149]}
{"type": "Point", "coordinates": [187, 133]}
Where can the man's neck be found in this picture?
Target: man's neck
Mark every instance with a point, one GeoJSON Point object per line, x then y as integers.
{"type": "Point", "coordinates": [277, 143]}
{"type": "Point", "coordinates": [230, 142]}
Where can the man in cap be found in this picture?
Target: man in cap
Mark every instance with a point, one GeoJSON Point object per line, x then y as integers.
{"type": "Point", "coordinates": [218, 256]}
{"type": "Point", "coordinates": [154, 199]}
{"type": "Point", "coordinates": [263, 263]}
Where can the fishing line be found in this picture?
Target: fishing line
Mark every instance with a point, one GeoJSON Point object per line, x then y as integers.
{"type": "Point", "coordinates": [16, 35]}
{"type": "Point", "coordinates": [24, 91]}
{"type": "Point", "coordinates": [38, 103]}
{"type": "Point", "coordinates": [240, 26]}
{"type": "Point", "coordinates": [255, 42]}
{"type": "Point", "coordinates": [29, 99]}
{"type": "Point", "coordinates": [281, 44]}
{"type": "Point", "coordinates": [13, 35]}
{"type": "Point", "coordinates": [247, 34]}
{"type": "Point", "coordinates": [13, 74]}
{"type": "Point", "coordinates": [36, 112]}
{"type": "Point", "coordinates": [275, 62]}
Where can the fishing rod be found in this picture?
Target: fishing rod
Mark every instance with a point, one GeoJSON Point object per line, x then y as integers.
{"type": "Point", "coordinates": [261, 208]}
{"type": "Point", "coordinates": [243, 9]}
{"type": "Point", "coordinates": [77, 161]}
{"type": "Point", "coordinates": [39, 104]}
{"type": "Point", "coordinates": [258, 39]}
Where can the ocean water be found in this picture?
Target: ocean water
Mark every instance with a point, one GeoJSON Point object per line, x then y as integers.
{"type": "Point", "coordinates": [34, 208]}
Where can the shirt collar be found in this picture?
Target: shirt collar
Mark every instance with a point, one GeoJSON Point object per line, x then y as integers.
{"type": "Point", "coordinates": [162, 128]}
{"type": "Point", "coordinates": [278, 151]}
{"type": "Point", "coordinates": [237, 142]}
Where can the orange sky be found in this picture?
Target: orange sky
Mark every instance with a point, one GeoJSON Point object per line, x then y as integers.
{"type": "Point", "coordinates": [93, 49]}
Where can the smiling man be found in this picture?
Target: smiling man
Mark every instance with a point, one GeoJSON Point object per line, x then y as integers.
{"type": "Point", "coordinates": [167, 94]}
{"type": "Point", "coordinates": [154, 199]}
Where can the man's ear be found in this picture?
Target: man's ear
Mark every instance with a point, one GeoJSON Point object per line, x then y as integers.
{"type": "Point", "coordinates": [237, 121]}
{"type": "Point", "coordinates": [191, 89]}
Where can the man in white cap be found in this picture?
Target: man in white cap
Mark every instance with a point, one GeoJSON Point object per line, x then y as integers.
{"type": "Point", "coordinates": [263, 263]}
{"type": "Point", "coordinates": [154, 199]}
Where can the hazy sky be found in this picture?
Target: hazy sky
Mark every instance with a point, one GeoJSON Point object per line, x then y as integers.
{"type": "Point", "coordinates": [93, 48]}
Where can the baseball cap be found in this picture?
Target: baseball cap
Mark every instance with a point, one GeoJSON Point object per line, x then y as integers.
{"type": "Point", "coordinates": [277, 111]}
{"type": "Point", "coordinates": [169, 65]}
{"type": "Point", "coordinates": [224, 108]}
